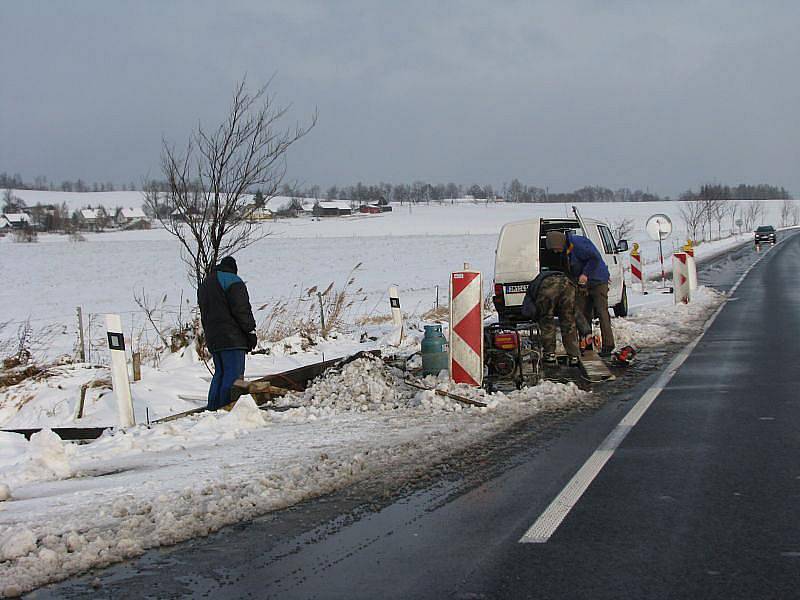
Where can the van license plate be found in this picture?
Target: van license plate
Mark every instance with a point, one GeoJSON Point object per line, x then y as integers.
{"type": "Point", "coordinates": [516, 289]}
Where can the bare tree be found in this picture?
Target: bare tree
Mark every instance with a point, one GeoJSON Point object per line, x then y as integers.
{"type": "Point", "coordinates": [693, 214]}
{"type": "Point", "coordinates": [753, 214]}
{"type": "Point", "coordinates": [734, 212]}
{"type": "Point", "coordinates": [208, 185]}
{"type": "Point", "coordinates": [621, 228]}
{"type": "Point", "coordinates": [786, 213]}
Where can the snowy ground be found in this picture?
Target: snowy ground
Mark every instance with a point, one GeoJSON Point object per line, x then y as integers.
{"type": "Point", "coordinates": [70, 507]}
{"type": "Point", "coordinates": [65, 507]}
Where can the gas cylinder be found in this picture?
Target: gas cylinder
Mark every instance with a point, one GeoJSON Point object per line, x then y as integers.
{"type": "Point", "coordinates": [434, 350]}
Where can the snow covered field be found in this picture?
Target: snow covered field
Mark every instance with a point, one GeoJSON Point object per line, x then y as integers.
{"type": "Point", "coordinates": [413, 247]}
{"type": "Point", "coordinates": [66, 507]}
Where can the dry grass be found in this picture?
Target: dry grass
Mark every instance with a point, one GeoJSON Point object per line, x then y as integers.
{"type": "Point", "coordinates": [13, 376]}
{"type": "Point", "coordinates": [305, 315]}
{"type": "Point", "coordinates": [373, 319]}
{"type": "Point", "coordinates": [440, 314]}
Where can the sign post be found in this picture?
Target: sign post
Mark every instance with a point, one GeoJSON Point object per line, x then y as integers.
{"type": "Point", "coordinates": [659, 227]}
{"type": "Point", "coordinates": [119, 370]}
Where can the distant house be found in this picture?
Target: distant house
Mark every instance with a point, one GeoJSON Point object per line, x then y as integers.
{"type": "Point", "coordinates": [92, 219]}
{"type": "Point", "coordinates": [332, 208]}
{"type": "Point", "coordinates": [126, 217]}
{"type": "Point", "coordinates": [257, 213]}
{"type": "Point", "coordinates": [370, 209]}
{"type": "Point", "coordinates": [17, 220]}
{"type": "Point", "coordinates": [191, 214]}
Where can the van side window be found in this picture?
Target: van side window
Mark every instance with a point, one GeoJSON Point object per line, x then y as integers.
{"type": "Point", "coordinates": [608, 240]}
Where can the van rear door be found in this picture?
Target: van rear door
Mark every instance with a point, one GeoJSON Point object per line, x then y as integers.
{"type": "Point", "coordinates": [516, 263]}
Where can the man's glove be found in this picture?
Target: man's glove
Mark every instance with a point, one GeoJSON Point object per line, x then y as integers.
{"type": "Point", "coordinates": [252, 340]}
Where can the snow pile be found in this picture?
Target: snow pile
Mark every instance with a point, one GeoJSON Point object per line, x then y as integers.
{"type": "Point", "coordinates": [672, 324]}
{"type": "Point", "coordinates": [145, 487]}
{"type": "Point", "coordinates": [44, 458]}
{"type": "Point", "coordinates": [362, 385]}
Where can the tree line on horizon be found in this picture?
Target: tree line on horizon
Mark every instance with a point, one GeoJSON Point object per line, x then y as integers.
{"type": "Point", "coordinates": [419, 192]}
{"type": "Point", "coordinates": [41, 183]}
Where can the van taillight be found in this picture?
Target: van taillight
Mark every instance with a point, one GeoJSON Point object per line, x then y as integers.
{"type": "Point", "coordinates": [498, 289]}
{"type": "Point", "coordinates": [506, 341]}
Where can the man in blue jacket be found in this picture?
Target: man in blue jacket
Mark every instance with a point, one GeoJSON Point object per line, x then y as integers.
{"type": "Point", "coordinates": [587, 266]}
{"type": "Point", "coordinates": [229, 328]}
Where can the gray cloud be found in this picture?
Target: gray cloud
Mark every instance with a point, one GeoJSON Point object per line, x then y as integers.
{"type": "Point", "coordinates": [664, 95]}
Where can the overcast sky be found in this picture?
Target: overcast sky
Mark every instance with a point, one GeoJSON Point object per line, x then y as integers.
{"type": "Point", "coordinates": [654, 94]}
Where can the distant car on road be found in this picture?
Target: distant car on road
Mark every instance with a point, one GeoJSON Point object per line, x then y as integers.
{"type": "Point", "coordinates": [764, 234]}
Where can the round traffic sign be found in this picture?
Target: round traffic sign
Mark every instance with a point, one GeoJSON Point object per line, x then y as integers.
{"type": "Point", "coordinates": [659, 226]}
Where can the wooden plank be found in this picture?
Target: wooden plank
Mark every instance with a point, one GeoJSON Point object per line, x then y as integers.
{"type": "Point", "coordinates": [456, 397]}
{"type": "Point", "coordinates": [180, 415]}
{"type": "Point", "coordinates": [297, 379]}
{"type": "Point", "coordinates": [259, 387]}
{"type": "Point", "coordinates": [594, 368]}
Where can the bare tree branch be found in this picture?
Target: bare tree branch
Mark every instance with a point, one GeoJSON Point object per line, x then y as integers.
{"type": "Point", "coordinates": [205, 203]}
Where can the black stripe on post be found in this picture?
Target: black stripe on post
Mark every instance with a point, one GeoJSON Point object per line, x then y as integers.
{"type": "Point", "coordinates": [116, 341]}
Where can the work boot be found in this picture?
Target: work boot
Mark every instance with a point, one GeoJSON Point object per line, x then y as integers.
{"type": "Point", "coordinates": [550, 358]}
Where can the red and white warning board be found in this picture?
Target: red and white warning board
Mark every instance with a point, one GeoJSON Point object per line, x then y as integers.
{"type": "Point", "coordinates": [680, 277]}
{"type": "Point", "coordinates": [466, 327]}
{"type": "Point", "coordinates": [637, 267]}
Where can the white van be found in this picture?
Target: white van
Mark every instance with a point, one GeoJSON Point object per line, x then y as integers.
{"type": "Point", "coordinates": [521, 254]}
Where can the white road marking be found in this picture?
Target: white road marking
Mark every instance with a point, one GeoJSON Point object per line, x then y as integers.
{"type": "Point", "coordinates": [547, 523]}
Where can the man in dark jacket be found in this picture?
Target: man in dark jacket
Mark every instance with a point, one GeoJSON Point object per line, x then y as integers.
{"type": "Point", "coordinates": [589, 269]}
{"type": "Point", "coordinates": [229, 328]}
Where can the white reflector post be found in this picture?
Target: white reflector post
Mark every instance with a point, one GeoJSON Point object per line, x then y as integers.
{"type": "Point", "coordinates": [397, 316]}
{"type": "Point", "coordinates": [680, 278]}
{"type": "Point", "coordinates": [466, 327]}
{"type": "Point", "coordinates": [119, 370]}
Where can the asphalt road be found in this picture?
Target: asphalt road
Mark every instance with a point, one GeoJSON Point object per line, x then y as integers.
{"type": "Point", "coordinates": [701, 499]}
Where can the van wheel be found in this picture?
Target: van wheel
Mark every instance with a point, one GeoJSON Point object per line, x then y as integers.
{"type": "Point", "coordinates": [621, 309]}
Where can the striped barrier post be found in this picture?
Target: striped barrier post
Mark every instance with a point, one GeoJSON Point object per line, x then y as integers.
{"type": "Point", "coordinates": [637, 268]}
{"type": "Point", "coordinates": [119, 370]}
{"type": "Point", "coordinates": [680, 278]}
{"type": "Point", "coordinates": [466, 327]}
{"type": "Point", "coordinates": [691, 265]}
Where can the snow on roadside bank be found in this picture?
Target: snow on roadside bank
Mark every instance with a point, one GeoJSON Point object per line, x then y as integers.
{"type": "Point", "coordinates": [660, 324]}
{"type": "Point", "coordinates": [73, 507]}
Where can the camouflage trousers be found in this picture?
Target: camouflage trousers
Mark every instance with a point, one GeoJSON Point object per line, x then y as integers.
{"type": "Point", "coordinates": [556, 298]}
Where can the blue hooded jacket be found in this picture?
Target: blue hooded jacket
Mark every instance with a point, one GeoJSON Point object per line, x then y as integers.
{"type": "Point", "coordinates": [585, 259]}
